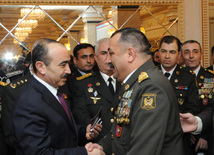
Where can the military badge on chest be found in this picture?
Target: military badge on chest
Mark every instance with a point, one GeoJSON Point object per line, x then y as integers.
{"type": "Point", "coordinates": [148, 101]}
{"type": "Point", "coordinates": [206, 92]}
{"type": "Point", "coordinates": [94, 92]}
{"type": "Point", "coordinates": [123, 109]}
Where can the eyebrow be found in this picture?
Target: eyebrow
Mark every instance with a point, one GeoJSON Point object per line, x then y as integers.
{"type": "Point", "coordinates": [63, 62]}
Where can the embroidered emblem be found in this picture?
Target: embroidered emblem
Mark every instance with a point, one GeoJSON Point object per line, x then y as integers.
{"type": "Point", "coordinates": [180, 101]}
{"type": "Point", "coordinates": [148, 101]}
{"type": "Point", "coordinates": [142, 76]}
{"type": "Point", "coordinates": [118, 131]}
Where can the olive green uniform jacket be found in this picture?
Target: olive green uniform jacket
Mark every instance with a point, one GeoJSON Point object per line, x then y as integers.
{"type": "Point", "coordinates": [146, 119]}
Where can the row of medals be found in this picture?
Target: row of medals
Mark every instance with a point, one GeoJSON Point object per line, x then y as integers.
{"type": "Point", "coordinates": [207, 90]}
{"type": "Point", "coordinates": [123, 109]}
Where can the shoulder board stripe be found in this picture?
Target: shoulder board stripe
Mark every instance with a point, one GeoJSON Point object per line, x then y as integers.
{"type": "Point", "coordinates": [84, 76]}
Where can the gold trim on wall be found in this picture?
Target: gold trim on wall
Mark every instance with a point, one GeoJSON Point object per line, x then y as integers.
{"type": "Point", "coordinates": [205, 32]}
{"type": "Point", "coordinates": [88, 2]}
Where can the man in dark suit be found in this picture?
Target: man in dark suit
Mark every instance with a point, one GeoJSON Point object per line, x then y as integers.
{"type": "Point", "coordinates": [42, 122]}
{"type": "Point", "coordinates": [192, 54]}
{"type": "Point", "coordinates": [146, 118]}
{"type": "Point", "coordinates": [93, 92]}
{"type": "Point", "coordinates": [212, 57]}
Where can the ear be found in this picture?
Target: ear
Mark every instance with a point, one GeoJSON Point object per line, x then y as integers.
{"type": "Point", "coordinates": [41, 67]}
{"type": "Point", "coordinates": [75, 60]}
{"type": "Point", "coordinates": [95, 57]}
{"type": "Point", "coordinates": [131, 54]}
{"type": "Point", "coordinates": [179, 55]}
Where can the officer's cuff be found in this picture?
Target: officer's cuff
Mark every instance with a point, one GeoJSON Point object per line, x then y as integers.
{"type": "Point", "coordinates": [199, 127]}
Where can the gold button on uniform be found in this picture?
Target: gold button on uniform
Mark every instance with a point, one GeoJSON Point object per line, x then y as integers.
{"type": "Point", "coordinates": [112, 109]}
{"type": "Point", "coordinates": [112, 120]}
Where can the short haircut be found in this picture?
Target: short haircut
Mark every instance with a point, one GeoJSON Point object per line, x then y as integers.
{"type": "Point", "coordinates": [191, 42]}
{"type": "Point", "coordinates": [169, 40]}
{"type": "Point", "coordinates": [79, 47]}
{"type": "Point", "coordinates": [135, 38]}
{"type": "Point", "coordinates": [40, 52]}
{"type": "Point", "coordinates": [98, 44]}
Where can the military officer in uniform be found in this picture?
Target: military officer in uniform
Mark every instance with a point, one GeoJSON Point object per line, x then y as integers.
{"type": "Point", "coordinates": [92, 91]}
{"type": "Point", "coordinates": [182, 79]}
{"type": "Point", "coordinates": [192, 54]}
{"type": "Point", "coordinates": [146, 119]}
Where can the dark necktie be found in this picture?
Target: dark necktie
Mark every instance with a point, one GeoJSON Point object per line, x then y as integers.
{"type": "Point", "coordinates": [64, 104]}
{"type": "Point", "coordinates": [111, 88]}
{"type": "Point", "coordinates": [167, 74]}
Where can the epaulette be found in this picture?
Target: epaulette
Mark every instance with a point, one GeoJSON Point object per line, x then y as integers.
{"type": "Point", "coordinates": [14, 73]}
{"type": "Point", "coordinates": [3, 83]}
{"type": "Point", "coordinates": [84, 76]}
{"type": "Point", "coordinates": [187, 70]}
{"type": "Point", "coordinates": [210, 71]}
{"type": "Point", "coordinates": [18, 83]}
{"type": "Point", "coordinates": [142, 76]}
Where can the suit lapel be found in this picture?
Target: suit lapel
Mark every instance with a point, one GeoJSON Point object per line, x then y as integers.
{"type": "Point", "coordinates": [51, 100]}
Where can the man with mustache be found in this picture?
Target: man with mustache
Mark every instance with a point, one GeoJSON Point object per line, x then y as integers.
{"type": "Point", "coordinates": [94, 92]}
{"type": "Point", "coordinates": [146, 119]}
{"type": "Point", "coordinates": [41, 120]}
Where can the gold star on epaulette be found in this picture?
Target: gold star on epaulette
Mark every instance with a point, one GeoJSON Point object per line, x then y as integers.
{"type": "Point", "coordinates": [142, 76]}
{"type": "Point", "coordinates": [84, 76]}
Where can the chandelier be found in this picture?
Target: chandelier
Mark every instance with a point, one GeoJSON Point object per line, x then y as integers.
{"type": "Point", "coordinates": [23, 29]}
{"type": "Point", "coordinates": [36, 14]}
{"type": "Point", "coordinates": [28, 23]}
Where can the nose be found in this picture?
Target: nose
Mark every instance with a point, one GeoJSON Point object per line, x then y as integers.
{"type": "Point", "coordinates": [108, 58]}
{"type": "Point", "coordinates": [191, 55]}
{"type": "Point", "coordinates": [167, 55]}
{"type": "Point", "coordinates": [67, 69]}
{"type": "Point", "coordinates": [89, 59]}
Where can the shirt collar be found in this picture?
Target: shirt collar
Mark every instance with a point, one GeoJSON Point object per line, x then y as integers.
{"type": "Point", "coordinates": [126, 79]}
{"type": "Point", "coordinates": [197, 70]}
{"type": "Point", "coordinates": [105, 78]}
{"type": "Point", "coordinates": [171, 72]}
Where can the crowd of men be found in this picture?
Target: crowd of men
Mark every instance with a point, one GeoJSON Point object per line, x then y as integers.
{"type": "Point", "coordinates": [111, 98]}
